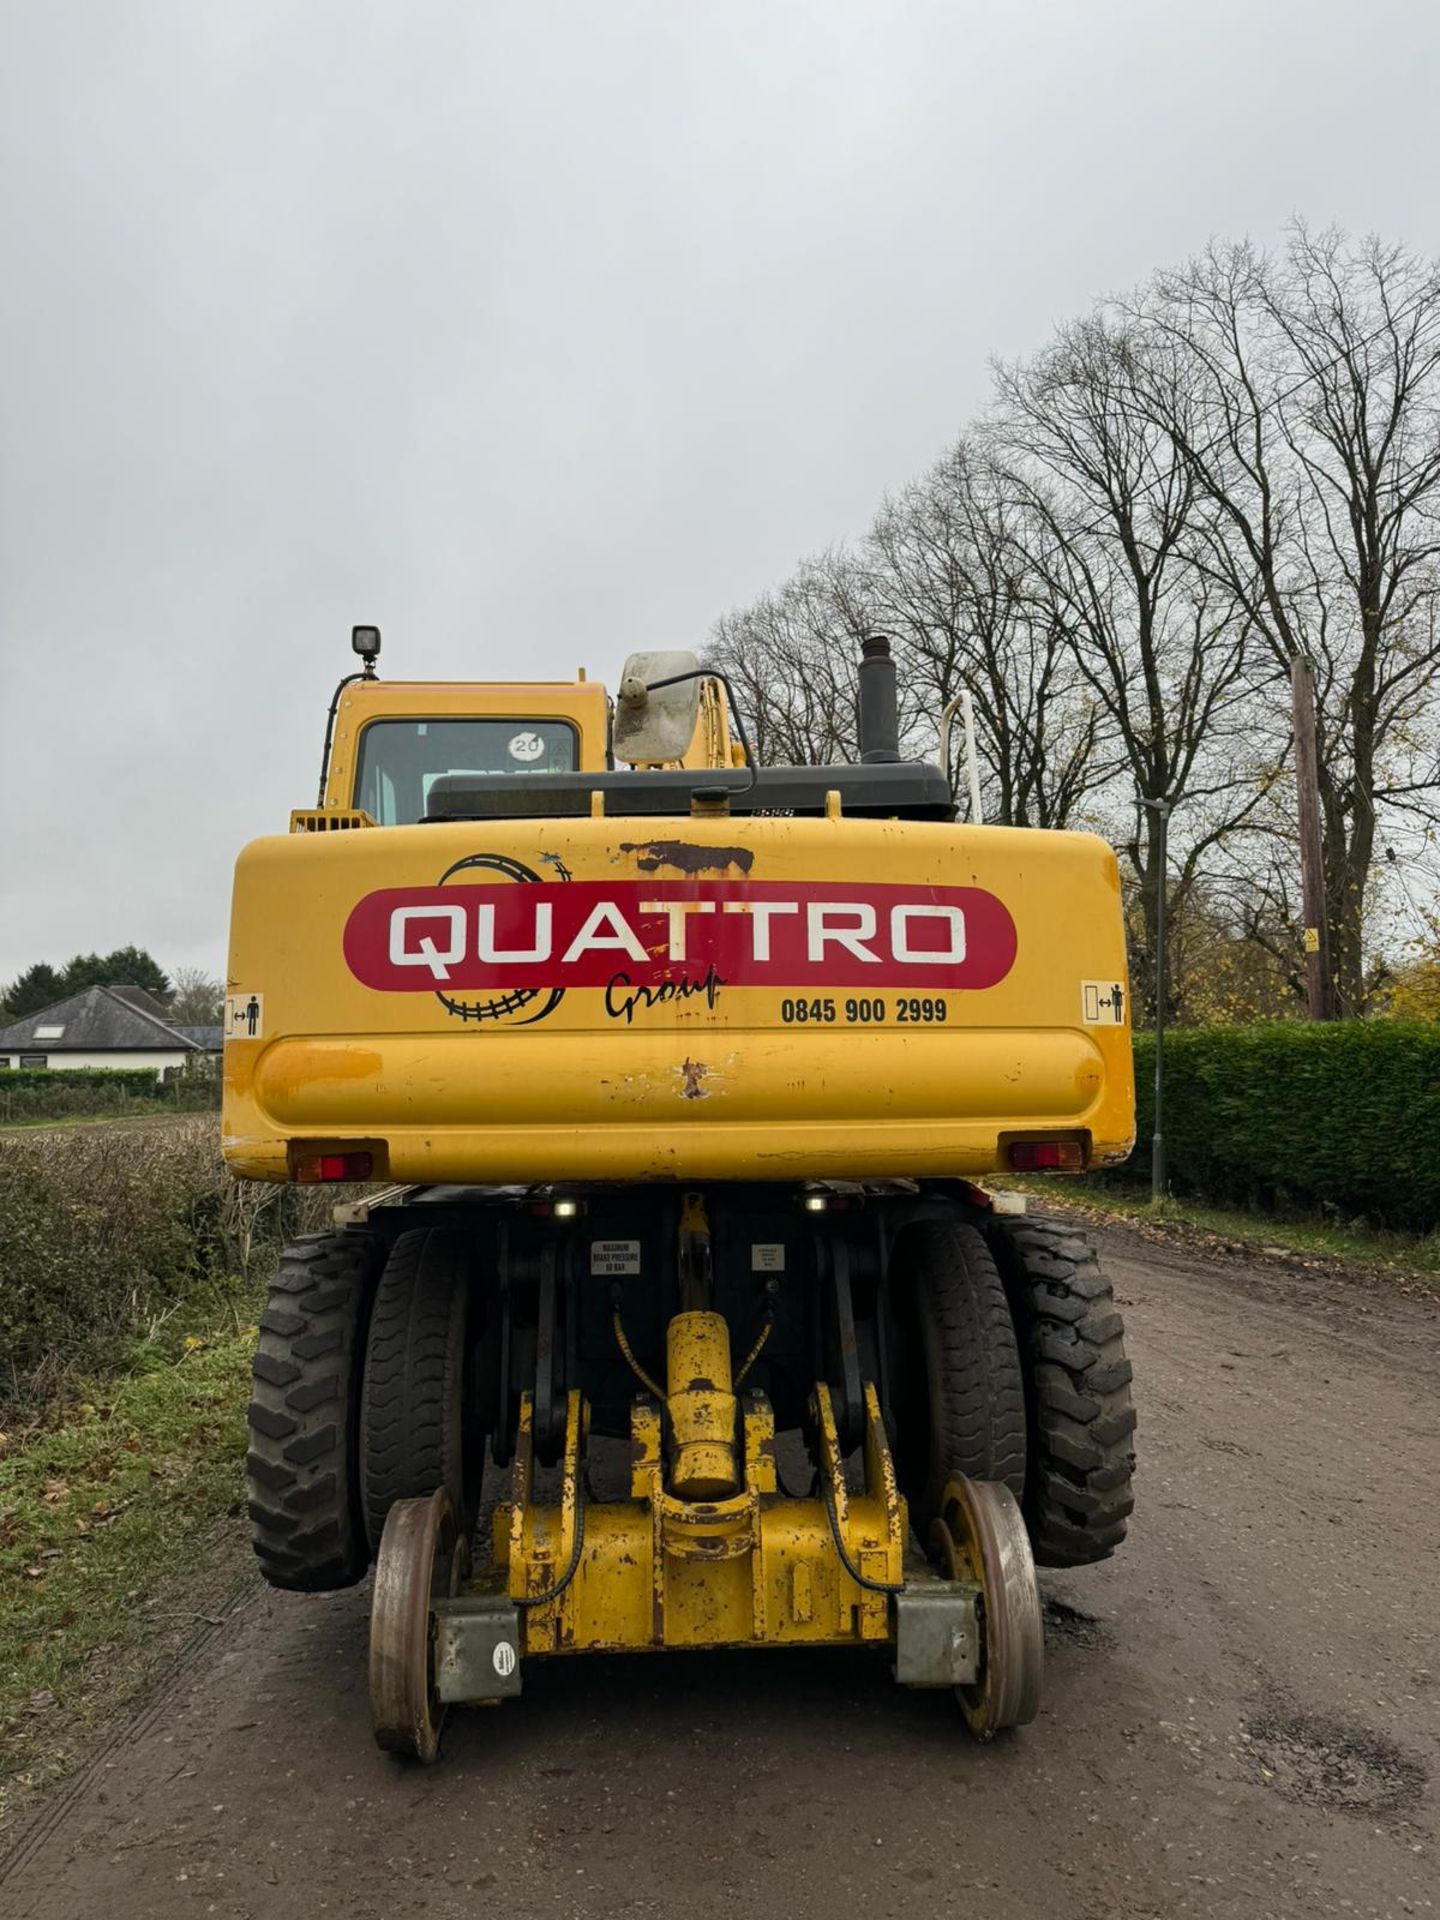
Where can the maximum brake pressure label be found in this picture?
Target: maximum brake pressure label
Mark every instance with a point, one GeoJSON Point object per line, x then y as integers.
{"type": "Point", "coordinates": [614, 1256]}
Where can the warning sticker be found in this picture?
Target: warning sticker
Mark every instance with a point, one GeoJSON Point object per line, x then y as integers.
{"type": "Point", "coordinates": [1103, 1003]}
{"type": "Point", "coordinates": [767, 1258]}
{"type": "Point", "coordinates": [244, 1016]}
{"type": "Point", "coordinates": [614, 1256]}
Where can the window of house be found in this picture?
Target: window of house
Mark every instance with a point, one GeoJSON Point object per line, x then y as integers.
{"type": "Point", "coordinates": [34, 1059]}
{"type": "Point", "coordinates": [400, 760]}
{"type": "Point", "coordinates": [48, 1033]}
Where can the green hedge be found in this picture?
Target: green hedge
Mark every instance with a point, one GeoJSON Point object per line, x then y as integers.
{"type": "Point", "coordinates": [104, 1231]}
{"type": "Point", "coordinates": [1342, 1117]}
{"type": "Point", "coordinates": [58, 1093]}
{"type": "Point", "coordinates": [143, 1082]}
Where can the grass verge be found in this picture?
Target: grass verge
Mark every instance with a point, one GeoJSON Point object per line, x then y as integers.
{"type": "Point", "coordinates": [145, 1115]}
{"type": "Point", "coordinates": [1411, 1261]}
{"type": "Point", "coordinates": [105, 1507]}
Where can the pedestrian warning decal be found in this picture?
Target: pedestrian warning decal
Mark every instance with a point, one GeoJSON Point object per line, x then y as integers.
{"type": "Point", "coordinates": [244, 1016]}
{"type": "Point", "coordinates": [1102, 1003]}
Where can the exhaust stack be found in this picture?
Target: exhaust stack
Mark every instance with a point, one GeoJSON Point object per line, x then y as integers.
{"type": "Point", "coordinates": [878, 705]}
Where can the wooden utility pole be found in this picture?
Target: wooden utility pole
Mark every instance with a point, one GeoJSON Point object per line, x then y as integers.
{"type": "Point", "coordinates": [1157, 1137]}
{"type": "Point", "coordinates": [1319, 999]}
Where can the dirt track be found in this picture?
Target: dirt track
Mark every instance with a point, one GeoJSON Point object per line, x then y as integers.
{"type": "Point", "coordinates": [1242, 1711]}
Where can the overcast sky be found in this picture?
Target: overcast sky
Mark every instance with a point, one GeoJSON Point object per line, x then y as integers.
{"type": "Point", "coordinates": [539, 332]}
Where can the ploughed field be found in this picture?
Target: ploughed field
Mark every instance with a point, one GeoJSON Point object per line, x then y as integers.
{"type": "Point", "coordinates": [1241, 1714]}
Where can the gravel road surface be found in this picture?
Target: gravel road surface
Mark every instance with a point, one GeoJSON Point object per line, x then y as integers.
{"type": "Point", "coordinates": [1241, 1715]}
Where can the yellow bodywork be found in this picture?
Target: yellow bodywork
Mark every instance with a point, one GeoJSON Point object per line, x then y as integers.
{"type": "Point", "coordinates": [707, 1551]}
{"type": "Point", "coordinates": [618, 1086]}
{"type": "Point", "coordinates": [685, 1080]}
{"type": "Point", "coordinates": [603, 996]}
{"type": "Point", "coordinates": [657, 1570]}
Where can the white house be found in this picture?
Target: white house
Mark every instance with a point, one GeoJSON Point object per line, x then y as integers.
{"type": "Point", "coordinates": [104, 1027]}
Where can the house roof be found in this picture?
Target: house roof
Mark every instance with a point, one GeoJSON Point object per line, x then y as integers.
{"type": "Point", "coordinates": [97, 1020]}
{"type": "Point", "coordinates": [212, 1039]}
{"type": "Point", "coordinates": [142, 998]}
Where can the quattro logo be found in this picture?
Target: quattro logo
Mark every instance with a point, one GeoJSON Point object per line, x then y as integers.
{"type": "Point", "coordinates": [585, 933]}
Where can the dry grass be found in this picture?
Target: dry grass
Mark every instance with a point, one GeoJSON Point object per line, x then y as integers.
{"type": "Point", "coordinates": [1410, 1261]}
{"type": "Point", "coordinates": [105, 1512]}
{"type": "Point", "coordinates": [133, 1269]}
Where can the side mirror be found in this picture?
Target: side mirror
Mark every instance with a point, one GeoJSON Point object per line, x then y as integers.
{"type": "Point", "coordinates": [655, 725]}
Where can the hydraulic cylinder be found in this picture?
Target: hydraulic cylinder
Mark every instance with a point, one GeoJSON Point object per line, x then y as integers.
{"type": "Point", "coordinates": [701, 1404]}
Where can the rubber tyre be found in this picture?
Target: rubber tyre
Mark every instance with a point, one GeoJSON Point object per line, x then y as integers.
{"type": "Point", "coordinates": [306, 1523]}
{"type": "Point", "coordinates": [418, 1430]}
{"type": "Point", "coordinates": [1081, 1460]}
{"type": "Point", "coordinates": [959, 1396]}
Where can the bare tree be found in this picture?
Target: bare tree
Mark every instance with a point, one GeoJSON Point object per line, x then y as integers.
{"type": "Point", "coordinates": [1182, 495]}
{"type": "Point", "coordinates": [945, 573]}
{"type": "Point", "coordinates": [792, 659]}
{"type": "Point", "coordinates": [951, 572]}
{"type": "Point", "coordinates": [1163, 647]}
{"type": "Point", "coordinates": [197, 999]}
{"type": "Point", "coordinates": [1301, 395]}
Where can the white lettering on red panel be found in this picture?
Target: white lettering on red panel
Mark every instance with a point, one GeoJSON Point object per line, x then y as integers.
{"type": "Point", "coordinates": [557, 935]}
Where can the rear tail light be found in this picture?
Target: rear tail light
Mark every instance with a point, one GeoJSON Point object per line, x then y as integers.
{"type": "Point", "coordinates": [311, 1168]}
{"type": "Point", "coordinates": [1034, 1156]}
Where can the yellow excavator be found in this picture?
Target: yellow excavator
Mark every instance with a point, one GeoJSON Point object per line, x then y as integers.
{"type": "Point", "coordinates": [681, 1094]}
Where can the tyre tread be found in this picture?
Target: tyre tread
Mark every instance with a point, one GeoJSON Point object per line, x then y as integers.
{"type": "Point", "coordinates": [411, 1418]}
{"type": "Point", "coordinates": [300, 1465]}
{"type": "Point", "coordinates": [978, 1412]}
{"type": "Point", "coordinates": [1078, 1487]}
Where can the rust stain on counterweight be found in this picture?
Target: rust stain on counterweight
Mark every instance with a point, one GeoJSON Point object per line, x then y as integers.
{"type": "Point", "coordinates": [651, 855]}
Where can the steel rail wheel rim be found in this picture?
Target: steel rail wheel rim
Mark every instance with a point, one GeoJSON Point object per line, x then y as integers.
{"type": "Point", "coordinates": [418, 1562]}
{"type": "Point", "coordinates": [980, 1536]}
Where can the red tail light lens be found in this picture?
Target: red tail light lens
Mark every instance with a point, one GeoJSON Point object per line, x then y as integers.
{"type": "Point", "coordinates": [1033, 1156]}
{"type": "Point", "coordinates": [311, 1168]}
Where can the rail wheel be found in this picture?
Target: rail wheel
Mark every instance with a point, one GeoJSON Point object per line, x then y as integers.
{"type": "Point", "coordinates": [980, 1536]}
{"type": "Point", "coordinates": [420, 1560]}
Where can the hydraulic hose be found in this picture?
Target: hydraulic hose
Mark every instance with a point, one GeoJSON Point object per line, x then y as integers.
{"type": "Point", "coordinates": [827, 1493]}
{"type": "Point", "coordinates": [755, 1351]}
{"type": "Point", "coordinates": [552, 1594]}
{"type": "Point", "coordinates": [634, 1365]}
{"type": "Point", "coordinates": [348, 681]}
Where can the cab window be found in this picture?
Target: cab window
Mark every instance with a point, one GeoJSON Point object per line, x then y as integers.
{"type": "Point", "coordinates": [400, 760]}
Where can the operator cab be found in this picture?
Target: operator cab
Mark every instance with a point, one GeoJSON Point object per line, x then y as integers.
{"type": "Point", "coordinates": [392, 743]}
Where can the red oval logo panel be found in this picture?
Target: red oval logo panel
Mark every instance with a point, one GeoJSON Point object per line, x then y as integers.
{"type": "Point", "coordinates": [754, 933]}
